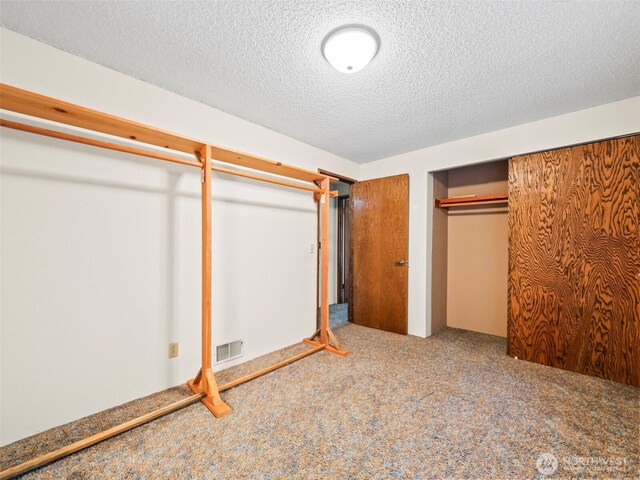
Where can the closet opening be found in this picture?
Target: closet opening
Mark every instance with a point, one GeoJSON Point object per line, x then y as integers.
{"type": "Point", "coordinates": [470, 248]}
{"type": "Point", "coordinates": [339, 250]}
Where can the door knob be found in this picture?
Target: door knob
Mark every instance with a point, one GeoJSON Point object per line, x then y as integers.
{"type": "Point", "coordinates": [400, 263]}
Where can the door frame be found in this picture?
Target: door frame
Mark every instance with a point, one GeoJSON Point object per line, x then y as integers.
{"type": "Point", "coordinates": [349, 181]}
{"type": "Point", "coordinates": [343, 267]}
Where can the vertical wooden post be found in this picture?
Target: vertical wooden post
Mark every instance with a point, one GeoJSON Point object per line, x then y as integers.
{"type": "Point", "coordinates": [324, 262]}
{"type": "Point", "coordinates": [327, 338]}
{"type": "Point", "coordinates": [205, 188]}
{"type": "Point", "coordinates": [205, 381]}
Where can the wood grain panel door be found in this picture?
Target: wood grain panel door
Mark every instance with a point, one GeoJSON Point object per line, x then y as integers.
{"type": "Point", "coordinates": [379, 238]}
{"type": "Point", "coordinates": [574, 259]}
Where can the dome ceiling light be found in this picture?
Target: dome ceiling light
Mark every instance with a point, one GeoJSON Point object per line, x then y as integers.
{"type": "Point", "coordinates": [350, 48]}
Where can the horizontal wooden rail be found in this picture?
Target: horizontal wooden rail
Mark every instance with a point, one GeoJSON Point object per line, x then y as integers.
{"type": "Point", "coordinates": [265, 179]}
{"type": "Point", "coordinates": [48, 458]}
{"type": "Point", "coordinates": [253, 162]}
{"type": "Point", "coordinates": [33, 104]}
{"type": "Point", "coordinates": [43, 460]}
{"type": "Point", "coordinates": [471, 200]}
{"type": "Point", "coordinates": [159, 156]}
{"type": "Point", "coordinates": [96, 143]}
{"type": "Point", "coordinates": [40, 106]}
{"type": "Point", "coordinates": [271, 368]}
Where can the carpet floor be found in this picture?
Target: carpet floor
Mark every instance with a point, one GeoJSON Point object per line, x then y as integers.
{"type": "Point", "coordinates": [450, 406]}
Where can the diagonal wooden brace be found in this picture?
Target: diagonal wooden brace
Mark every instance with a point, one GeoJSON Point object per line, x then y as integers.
{"type": "Point", "coordinates": [332, 345]}
{"type": "Point", "coordinates": [207, 384]}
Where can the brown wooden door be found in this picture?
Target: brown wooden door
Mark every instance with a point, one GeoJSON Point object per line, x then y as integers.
{"type": "Point", "coordinates": [379, 238]}
{"type": "Point", "coordinates": [574, 259]}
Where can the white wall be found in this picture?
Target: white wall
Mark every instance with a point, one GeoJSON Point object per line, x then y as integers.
{"type": "Point", "coordinates": [609, 120]}
{"type": "Point", "coordinates": [100, 251]}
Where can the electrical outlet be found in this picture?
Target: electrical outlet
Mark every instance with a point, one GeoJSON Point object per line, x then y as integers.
{"type": "Point", "coordinates": [312, 248]}
{"type": "Point", "coordinates": [173, 349]}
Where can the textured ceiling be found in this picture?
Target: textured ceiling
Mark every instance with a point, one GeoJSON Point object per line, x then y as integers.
{"type": "Point", "coordinates": [445, 70]}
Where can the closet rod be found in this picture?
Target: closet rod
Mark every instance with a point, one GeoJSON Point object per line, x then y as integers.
{"type": "Point", "coordinates": [96, 143]}
{"type": "Point", "coordinates": [135, 151]}
{"type": "Point", "coordinates": [266, 179]}
{"type": "Point", "coordinates": [40, 106]}
{"type": "Point", "coordinates": [471, 200]}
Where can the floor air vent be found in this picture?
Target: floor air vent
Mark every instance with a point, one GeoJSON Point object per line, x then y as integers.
{"type": "Point", "coordinates": [229, 351]}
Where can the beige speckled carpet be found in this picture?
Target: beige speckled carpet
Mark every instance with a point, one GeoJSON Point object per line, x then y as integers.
{"type": "Point", "coordinates": [450, 406]}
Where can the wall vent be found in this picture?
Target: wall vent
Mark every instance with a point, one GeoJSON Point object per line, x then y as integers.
{"type": "Point", "coordinates": [229, 351]}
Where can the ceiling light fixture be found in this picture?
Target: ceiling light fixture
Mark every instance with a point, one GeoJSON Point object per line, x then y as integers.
{"type": "Point", "coordinates": [350, 48]}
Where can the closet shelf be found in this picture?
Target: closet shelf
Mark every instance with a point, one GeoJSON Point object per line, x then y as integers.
{"type": "Point", "coordinates": [469, 200]}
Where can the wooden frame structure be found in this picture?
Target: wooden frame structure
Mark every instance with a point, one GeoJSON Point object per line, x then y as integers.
{"type": "Point", "coordinates": [149, 138]}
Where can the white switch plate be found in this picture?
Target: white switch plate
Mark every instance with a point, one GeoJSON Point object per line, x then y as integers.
{"type": "Point", "coordinates": [312, 248]}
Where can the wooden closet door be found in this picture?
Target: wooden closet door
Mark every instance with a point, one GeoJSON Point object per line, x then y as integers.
{"type": "Point", "coordinates": [574, 259]}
